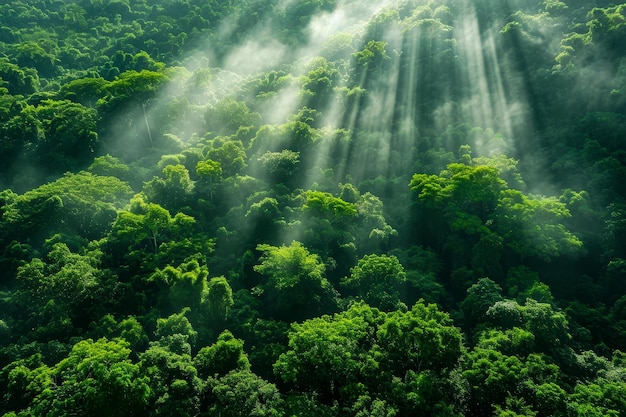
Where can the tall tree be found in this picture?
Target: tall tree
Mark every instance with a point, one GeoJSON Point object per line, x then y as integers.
{"type": "Point", "coordinates": [294, 285]}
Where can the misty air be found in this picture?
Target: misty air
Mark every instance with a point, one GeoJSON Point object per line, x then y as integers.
{"type": "Point", "coordinates": [296, 208]}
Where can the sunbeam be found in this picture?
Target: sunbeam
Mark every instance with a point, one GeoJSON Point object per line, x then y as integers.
{"type": "Point", "coordinates": [312, 208]}
{"type": "Point", "coordinates": [486, 105]}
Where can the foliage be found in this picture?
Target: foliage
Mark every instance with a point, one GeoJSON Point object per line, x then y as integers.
{"type": "Point", "coordinates": [377, 280]}
{"type": "Point", "coordinates": [318, 207]}
{"type": "Point", "coordinates": [295, 284]}
{"type": "Point", "coordinates": [80, 204]}
{"type": "Point", "coordinates": [96, 378]}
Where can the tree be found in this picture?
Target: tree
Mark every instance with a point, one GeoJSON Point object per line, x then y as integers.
{"type": "Point", "coordinates": [328, 224]}
{"type": "Point", "coordinates": [264, 219]}
{"type": "Point", "coordinates": [475, 201]}
{"type": "Point", "coordinates": [404, 357]}
{"type": "Point", "coordinates": [466, 194]}
{"type": "Point", "coordinates": [18, 81]}
{"type": "Point", "coordinates": [495, 379]}
{"type": "Point", "coordinates": [480, 297]}
{"type": "Point", "coordinates": [184, 287]}
{"type": "Point", "coordinates": [422, 266]}
{"type": "Point", "coordinates": [148, 236]}
{"type": "Point", "coordinates": [242, 393]}
{"type": "Point", "coordinates": [129, 330]}
{"type": "Point", "coordinates": [423, 338]}
{"type": "Point", "coordinates": [20, 132]}
{"type": "Point", "coordinates": [548, 239]}
{"type": "Point", "coordinates": [86, 91]}
{"type": "Point", "coordinates": [548, 326]}
{"type": "Point", "coordinates": [70, 286]}
{"type": "Point", "coordinates": [377, 280]}
{"type": "Point", "coordinates": [173, 190]}
{"type": "Point", "coordinates": [156, 221]}
{"type": "Point", "coordinates": [229, 115]}
{"type": "Point", "coordinates": [373, 231]}
{"type": "Point", "coordinates": [130, 86]}
{"type": "Point", "coordinates": [80, 204]}
{"type": "Point", "coordinates": [280, 165]}
{"type": "Point", "coordinates": [209, 173]}
{"type": "Point", "coordinates": [24, 380]}
{"type": "Point", "coordinates": [97, 378]}
{"type": "Point", "coordinates": [70, 134]}
{"type": "Point", "coordinates": [327, 354]}
{"type": "Point", "coordinates": [230, 155]}
{"type": "Point", "coordinates": [372, 55]}
{"type": "Point", "coordinates": [111, 166]}
{"type": "Point", "coordinates": [295, 286]}
{"type": "Point", "coordinates": [317, 85]}
{"type": "Point", "coordinates": [366, 406]}
{"type": "Point", "coordinates": [173, 380]}
{"type": "Point", "coordinates": [219, 300]}
{"type": "Point", "coordinates": [224, 356]}
{"type": "Point", "coordinates": [176, 332]}
{"type": "Point", "coordinates": [32, 55]}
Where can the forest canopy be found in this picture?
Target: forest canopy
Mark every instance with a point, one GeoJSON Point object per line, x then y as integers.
{"type": "Point", "coordinates": [319, 207]}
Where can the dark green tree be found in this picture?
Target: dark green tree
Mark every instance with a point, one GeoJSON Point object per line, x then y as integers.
{"type": "Point", "coordinates": [294, 285]}
{"type": "Point", "coordinates": [97, 378]}
{"type": "Point", "coordinates": [377, 280]}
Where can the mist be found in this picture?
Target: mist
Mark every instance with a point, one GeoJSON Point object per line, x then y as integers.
{"type": "Point", "coordinates": [313, 207]}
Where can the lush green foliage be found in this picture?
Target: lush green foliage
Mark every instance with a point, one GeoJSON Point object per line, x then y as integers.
{"type": "Point", "coordinates": [317, 207]}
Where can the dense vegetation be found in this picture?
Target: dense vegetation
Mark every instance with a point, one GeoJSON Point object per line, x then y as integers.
{"type": "Point", "coordinates": [313, 208]}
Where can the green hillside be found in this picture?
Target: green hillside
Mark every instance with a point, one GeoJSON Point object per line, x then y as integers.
{"type": "Point", "coordinates": [313, 208]}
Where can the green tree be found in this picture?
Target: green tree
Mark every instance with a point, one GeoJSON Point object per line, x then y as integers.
{"type": "Point", "coordinates": [230, 155]}
{"type": "Point", "coordinates": [328, 224]}
{"type": "Point", "coordinates": [404, 357]}
{"type": "Point", "coordinates": [148, 236]}
{"type": "Point", "coordinates": [176, 333]}
{"type": "Point", "coordinates": [70, 134]}
{"type": "Point", "coordinates": [24, 380]}
{"type": "Point", "coordinates": [373, 54]}
{"type": "Point", "coordinates": [495, 379]}
{"type": "Point", "coordinates": [475, 201]}
{"type": "Point", "coordinates": [377, 280]}
{"type": "Point", "coordinates": [603, 397]}
{"type": "Point", "coordinates": [219, 299]}
{"type": "Point", "coordinates": [466, 194]}
{"type": "Point", "coordinates": [168, 365]}
{"type": "Point", "coordinates": [32, 55]}
{"type": "Point", "coordinates": [173, 190]}
{"type": "Point", "coordinates": [184, 286]}
{"type": "Point", "coordinates": [108, 165]}
{"type": "Point", "coordinates": [318, 84]}
{"type": "Point", "coordinates": [547, 238]}
{"type": "Point", "coordinates": [242, 393]}
{"type": "Point", "coordinates": [548, 325]}
{"type": "Point", "coordinates": [131, 86]}
{"type": "Point", "coordinates": [480, 297]}
{"type": "Point", "coordinates": [17, 80]}
{"type": "Point", "coordinates": [80, 204]}
{"type": "Point", "coordinates": [224, 356]}
{"type": "Point", "coordinates": [86, 91]}
{"type": "Point", "coordinates": [128, 329]}
{"type": "Point", "coordinates": [373, 231]}
{"type": "Point", "coordinates": [423, 338]}
{"type": "Point", "coordinates": [295, 286]}
{"type": "Point", "coordinates": [280, 165]}
{"type": "Point", "coordinates": [327, 354]}
{"type": "Point", "coordinates": [66, 287]}
{"type": "Point", "coordinates": [97, 378]}
{"type": "Point", "coordinates": [209, 173]}
{"type": "Point", "coordinates": [20, 133]}
{"type": "Point", "coordinates": [229, 115]}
